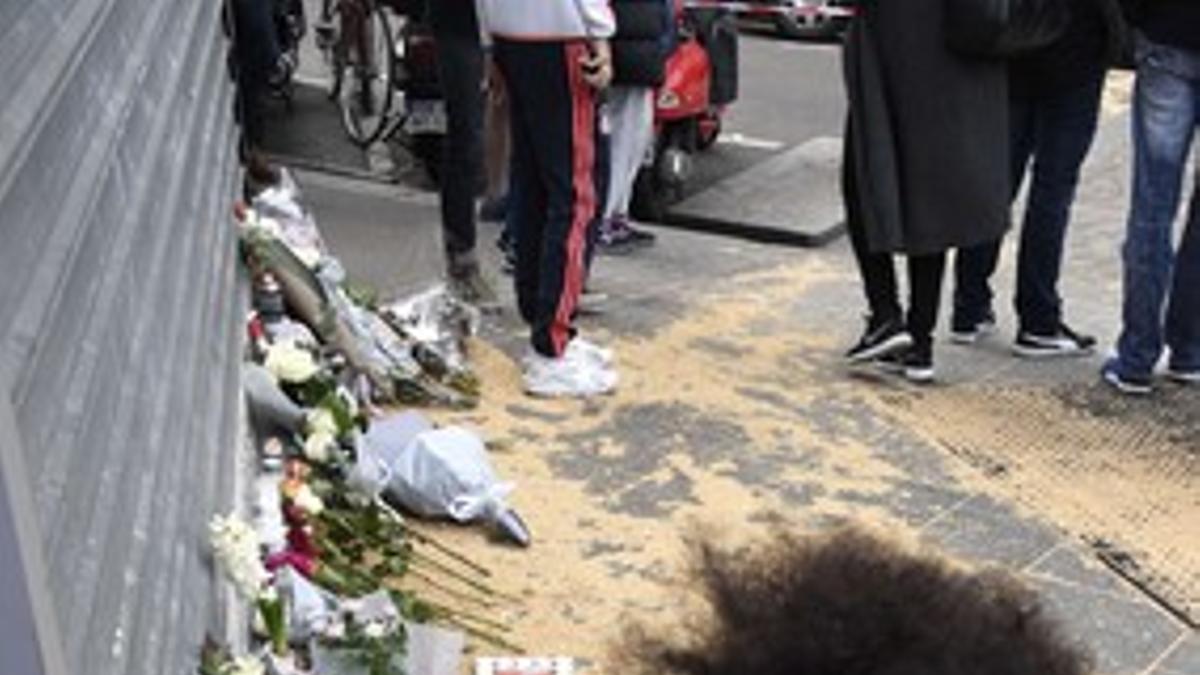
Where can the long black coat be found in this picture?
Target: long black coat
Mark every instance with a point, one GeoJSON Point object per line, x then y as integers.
{"type": "Point", "coordinates": [928, 132]}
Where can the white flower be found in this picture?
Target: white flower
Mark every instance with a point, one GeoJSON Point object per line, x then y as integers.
{"type": "Point", "coordinates": [317, 445]}
{"type": "Point", "coordinates": [269, 594]}
{"type": "Point", "coordinates": [321, 420]}
{"type": "Point", "coordinates": [246, 665]}
{"type": "Point", "coordinates": [289, 363]}
{"type": "Point", "coordinates": [374, 630]}
{"type": "Point", "coordinates": [236, 550]}
{"type": "Point", "coordinates": [308, 501]}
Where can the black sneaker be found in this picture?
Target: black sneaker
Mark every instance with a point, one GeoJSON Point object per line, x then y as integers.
{"type": "Point", "coordinates": [914, 363]}
{"type": "Point", "coordinates": [1065, 342]}
{"type": "Point", "coordinates": [964, 332]}
{"type": "Point", "coordinates": [1184, 376]}
{"type": "Point", "coordinates": [880, 339]}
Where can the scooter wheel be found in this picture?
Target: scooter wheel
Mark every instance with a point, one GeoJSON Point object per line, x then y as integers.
{"type": "Point", "coordinates": [708, 135]}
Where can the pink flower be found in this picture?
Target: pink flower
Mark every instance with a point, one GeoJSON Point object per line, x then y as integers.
{"type": "Point", "coordinates": [301, 563]}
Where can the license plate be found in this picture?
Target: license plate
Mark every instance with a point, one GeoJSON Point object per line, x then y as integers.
{"type": "Point", "coordinates": [426, 117]}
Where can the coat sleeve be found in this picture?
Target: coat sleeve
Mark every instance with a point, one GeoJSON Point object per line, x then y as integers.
{"type": "Point", "coordinates": [597, 18]}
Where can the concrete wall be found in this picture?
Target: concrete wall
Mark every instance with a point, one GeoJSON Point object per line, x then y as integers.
{"type": "Point", "coordinates": [120, 318]}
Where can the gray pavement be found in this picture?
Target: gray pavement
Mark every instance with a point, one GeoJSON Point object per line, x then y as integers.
{"type": "Point", "coordinates": [735, 410]}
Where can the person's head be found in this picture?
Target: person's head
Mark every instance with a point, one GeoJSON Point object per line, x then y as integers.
{"type": "Point", "coordinates": [852, 604]}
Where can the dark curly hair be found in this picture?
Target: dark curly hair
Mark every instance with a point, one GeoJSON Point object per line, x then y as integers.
{"type": "Point", "coordinates": [849, 603]}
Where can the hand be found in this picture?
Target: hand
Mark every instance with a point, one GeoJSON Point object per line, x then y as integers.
{"type": "Point", "coordinates": [597, 66]}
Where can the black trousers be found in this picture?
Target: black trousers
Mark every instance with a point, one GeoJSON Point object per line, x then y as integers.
{"type": "Point", "coordinates": [1051, 136]}
{"type": "Point", "coordinates": [559, 176]}
{"type": "Point", "coordinates": [925, 272]}
{"type": "Point", "coordinates": [460, 58]}
{"type": "Point", "coordinates": [257, 50]}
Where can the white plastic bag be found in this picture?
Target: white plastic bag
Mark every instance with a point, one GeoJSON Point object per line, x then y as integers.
{"type": "Point", "coordinates": [446, 473]}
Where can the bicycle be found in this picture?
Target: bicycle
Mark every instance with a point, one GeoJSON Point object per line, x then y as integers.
{"type": "Point", "coordinates": [358, 40]}
{"type": "Point", "coordinates": [387, 58]}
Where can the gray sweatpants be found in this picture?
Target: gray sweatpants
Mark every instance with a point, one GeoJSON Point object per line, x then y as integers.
{"type": "Point", "coordinates": [631, 114]}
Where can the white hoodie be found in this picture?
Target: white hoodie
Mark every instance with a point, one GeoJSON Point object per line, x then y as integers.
{"type": "Point", "coordinates": [546, 20]}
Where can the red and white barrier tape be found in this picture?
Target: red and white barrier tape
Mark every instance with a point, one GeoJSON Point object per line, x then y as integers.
{"type": "Point", "coordinates": [765, 8]}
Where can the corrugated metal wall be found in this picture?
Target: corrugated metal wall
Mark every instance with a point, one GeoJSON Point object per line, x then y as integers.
{"type": "Point", "coordinates": [120, 312]}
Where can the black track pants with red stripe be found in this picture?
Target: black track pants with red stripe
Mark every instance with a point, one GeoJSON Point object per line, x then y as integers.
{"type": "Point", "coordinates": [557, 182]}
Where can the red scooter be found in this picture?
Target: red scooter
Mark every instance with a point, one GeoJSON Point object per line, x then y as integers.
{"type": "Point", "coordinates": [701, 82]}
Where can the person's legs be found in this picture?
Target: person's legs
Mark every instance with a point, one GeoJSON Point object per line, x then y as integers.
{"type": "Point", "coordinates": [496, 148]}
{"type": "Point", "coordinates": [550, 96]}
{"type": "Point", "coordinates": [877, 270]}
{"type": "Point", "coordinates": [975, 265]}
{"type": "Point", "coordinates": [526, 216]}
{"type": "Point", "coordinates": [1183, 313]}
{"type": "Point", "coordinates": [460, 57]}
{"type": "Point", "coordinates": [885, 332]}
{"type": "Point", "coordinates": [925, 274]}
{"type": "Point", "coordinates": [632, 111]}
{"type": "Point", "coordinates": [1164, 122]}
{"type": "Point", "coordinates": [556, 150]}
{"type": "Point", "coordinates": [1065, 127]}
{"type": "Point", "coordinates": [257, 51]}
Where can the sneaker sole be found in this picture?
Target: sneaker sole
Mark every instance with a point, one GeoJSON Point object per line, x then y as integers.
{"type": "Point", "coordinates": [1188, 379]}
{"type": "Point", "coordinates": [1124, 387]}
{"type": "Point", "coordinates": [565, 393]}
{"type": "Point", "coordinates": [889, 346]}
{"type": "Point", "coordinates": [1039, 354]}
{"type": "Point", "coordinates": [920, 375]}
{"type": "Point", "coordinates": [964, 338]}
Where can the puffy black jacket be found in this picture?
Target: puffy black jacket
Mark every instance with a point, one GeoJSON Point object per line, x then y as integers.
{"type": "Point", "coordinates": [639, 56]}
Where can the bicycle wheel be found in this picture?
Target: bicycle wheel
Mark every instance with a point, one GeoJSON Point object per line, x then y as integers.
{"type": "Point", "coordinates": [367, 92]}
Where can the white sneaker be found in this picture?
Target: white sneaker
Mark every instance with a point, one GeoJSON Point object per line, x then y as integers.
{"type": "Point", "coordinates": [583, 349]}
{"type": "Point", "coordinates": [567, 377]}
{"type": "Point", "coordinates": [580, 349]}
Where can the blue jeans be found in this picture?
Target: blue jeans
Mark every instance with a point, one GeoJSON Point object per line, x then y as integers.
{"type": "Point", "coordinates": [1054, 132]}
{"type": "Point", "coordinates": [1165, 118]}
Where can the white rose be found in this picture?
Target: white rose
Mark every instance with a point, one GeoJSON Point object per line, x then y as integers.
{"type": "Point", "coordinates": [317, 445]}
{"type": "Point", "coordinates": [321, 420]}
{"type": "Point", "coordinates": [289, 363]}
{"type": "Point", "coordinates": [308, 501]}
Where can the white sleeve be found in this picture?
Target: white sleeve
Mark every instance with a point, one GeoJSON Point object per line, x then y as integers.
{"type": "Point", "coordinates": [597, 17]}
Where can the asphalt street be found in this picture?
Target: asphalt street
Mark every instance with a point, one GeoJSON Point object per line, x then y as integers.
{"type": "Point", "coordinates": [790, 93]}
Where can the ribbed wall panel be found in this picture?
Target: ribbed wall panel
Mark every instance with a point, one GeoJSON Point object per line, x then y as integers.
{"type": "Point", "coordinates": [121, 313]}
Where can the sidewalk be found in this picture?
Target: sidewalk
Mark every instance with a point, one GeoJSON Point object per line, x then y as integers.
{"type": "Point", "coordinates": [735, 414]}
